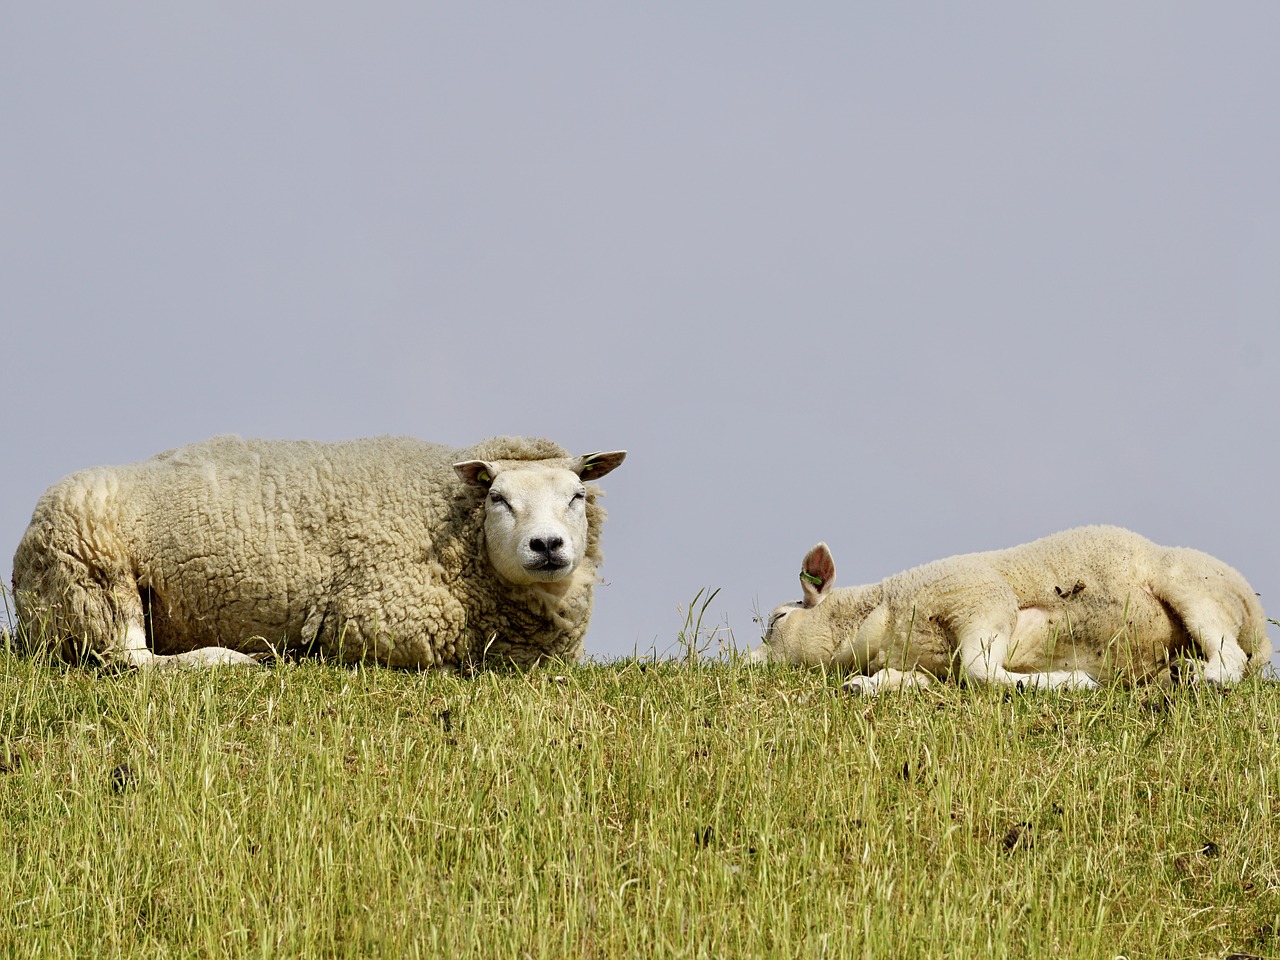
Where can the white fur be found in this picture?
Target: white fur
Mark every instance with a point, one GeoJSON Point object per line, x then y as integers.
{"type": "Point", "coordinates": [1071, 610]}
{"type": "Point", "coordinates": [535, 521]}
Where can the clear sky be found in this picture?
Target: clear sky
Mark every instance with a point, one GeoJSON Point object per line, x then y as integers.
{"type": "Point", "coordinates": [914, 279]}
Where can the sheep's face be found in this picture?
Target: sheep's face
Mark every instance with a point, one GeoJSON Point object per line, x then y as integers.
{"type": "Point", "coordinates": [535, 514]}
{"type": "Point", "coordinates": [803, 632]}
{"type": "Point", "coordinates": [535, 524]}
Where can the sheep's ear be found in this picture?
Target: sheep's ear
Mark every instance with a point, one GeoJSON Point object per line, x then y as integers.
{"type": "Point", "coordinates": [476, 473]}
{"type": "Point", "coordinates": [817, 575]}
{"type": "Point", "coordinates": [593, 466]}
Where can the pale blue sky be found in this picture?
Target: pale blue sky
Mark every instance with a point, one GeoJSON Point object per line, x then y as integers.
{"type": "Point", "coordinates": [915, 279]}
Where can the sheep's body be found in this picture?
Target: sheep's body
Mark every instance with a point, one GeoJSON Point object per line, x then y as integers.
{"type": "Point", "coordinates": [1094, 604]}
{"type": "Point", "coordinates": [367, 549]}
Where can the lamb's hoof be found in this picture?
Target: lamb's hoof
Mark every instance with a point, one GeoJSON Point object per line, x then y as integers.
{"type": "Point", "coordinates": [1198, 681]}
{"type": "Point", "coordinates": [856, 687]}
{"type": "Point", "coordinates": [1196, 674]}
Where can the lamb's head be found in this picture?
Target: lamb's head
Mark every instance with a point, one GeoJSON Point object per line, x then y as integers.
{"type": "Point", "coordinates": [535, 514]}
{"type": "Point", "coordinates": [804, 632]}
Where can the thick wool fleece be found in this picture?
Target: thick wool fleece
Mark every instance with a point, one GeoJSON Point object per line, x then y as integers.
{"type": "Point", "coordinates": [366, 549]}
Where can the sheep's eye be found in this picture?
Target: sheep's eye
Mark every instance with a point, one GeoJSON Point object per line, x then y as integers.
{"type": "Point", "coordinates": [773, 621]}
{"type": "Point", "coordinates": [498, 500]}
{"type": "Point", "coordinates": [578, 497]}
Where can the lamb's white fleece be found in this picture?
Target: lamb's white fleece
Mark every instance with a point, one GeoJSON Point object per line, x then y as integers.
{"type": "Point", "coordinates": [1069, 610]}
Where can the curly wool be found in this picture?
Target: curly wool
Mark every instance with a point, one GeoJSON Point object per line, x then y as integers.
{"type": "Point", "coordinates": [363, 549]}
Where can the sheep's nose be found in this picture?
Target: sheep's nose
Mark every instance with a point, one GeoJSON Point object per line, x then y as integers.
{"type": "Point", "coordinates": [546, 545]}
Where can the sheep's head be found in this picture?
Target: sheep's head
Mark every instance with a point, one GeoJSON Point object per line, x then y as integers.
{"type": "Point", "coordinates": [802, 632]}
{"type": "Point", "coordinates": [535, 515]}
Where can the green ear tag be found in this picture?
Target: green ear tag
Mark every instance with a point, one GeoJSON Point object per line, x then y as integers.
{"type": "Point", "coordinates": [810, 578]}
{"type": "Point", "coordinates": [483, 476]}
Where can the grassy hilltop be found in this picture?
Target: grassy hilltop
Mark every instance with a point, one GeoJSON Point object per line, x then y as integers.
{"type": "Point", "coordinates": [629, 808]}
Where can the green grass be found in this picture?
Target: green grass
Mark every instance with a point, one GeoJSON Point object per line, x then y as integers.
{"type": "Point", "coordinates": [631, 808]}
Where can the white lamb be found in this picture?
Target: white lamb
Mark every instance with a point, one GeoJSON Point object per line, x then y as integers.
{"type": "Point", "coordinates": [1090, 605]}
{"type": "Point", "coordinates": [389, 549]}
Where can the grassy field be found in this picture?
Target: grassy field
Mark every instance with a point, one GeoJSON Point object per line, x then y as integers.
{"type": "Point", "coordinates": [628, 809]}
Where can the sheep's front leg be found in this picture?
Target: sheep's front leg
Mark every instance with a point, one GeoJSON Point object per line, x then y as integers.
{"type": "Point", "coordinates": [132, 650]}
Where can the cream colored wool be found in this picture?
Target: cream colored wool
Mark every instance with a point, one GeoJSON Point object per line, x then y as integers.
{"type": "Point", "coordinates": [1094, 604]}
{"type": "Point", "coordinates": [367, 549]}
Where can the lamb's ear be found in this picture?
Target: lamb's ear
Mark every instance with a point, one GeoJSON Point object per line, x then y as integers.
{"type": "Point", "coordinates": [476, 473]}
{"type": "Point", "coordinates": [817, 575]}
{"type": "Point", "coordinates": [593, 466]}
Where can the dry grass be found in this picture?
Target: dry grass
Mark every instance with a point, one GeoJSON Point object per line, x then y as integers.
{"type": "Point", "coordinates": [632, 808]}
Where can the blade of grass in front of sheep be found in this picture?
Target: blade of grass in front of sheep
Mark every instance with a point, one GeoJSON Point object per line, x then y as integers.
{"type": "Point", "coordinates": [688, 639]}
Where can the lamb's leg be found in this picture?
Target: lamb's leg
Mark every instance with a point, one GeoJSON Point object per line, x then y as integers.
{"type": "Point", "coordinates": [886, 679]}
{"type": "Point", "coordinates": [1054, 680]}
{"type": "Point", "coordinates": [1217, 633]}
{"type": "Point", "coordinates": [984, 648]}
{"type": "Point", "coordinates": [1212, 613]}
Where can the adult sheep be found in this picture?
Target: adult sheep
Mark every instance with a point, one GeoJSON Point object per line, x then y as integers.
{"type": "Point", "coordinates": [388, 549]}
{"type": "Point", "coordinates": [1090, 605]}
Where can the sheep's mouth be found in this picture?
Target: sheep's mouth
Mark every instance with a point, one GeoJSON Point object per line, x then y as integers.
{"type": "Point", "coordinates": [546, 570]}
{"type": "Point", "coordinates": [547, 565]}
